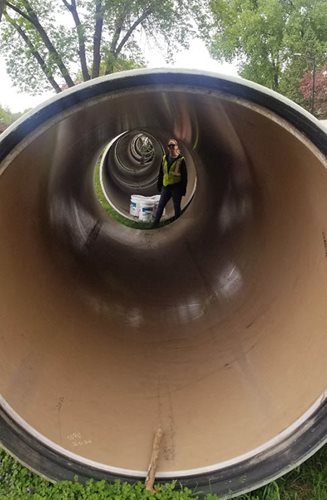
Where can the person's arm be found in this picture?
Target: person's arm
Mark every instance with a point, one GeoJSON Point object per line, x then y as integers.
{"type": "Point", "coordinates": [183, 177]}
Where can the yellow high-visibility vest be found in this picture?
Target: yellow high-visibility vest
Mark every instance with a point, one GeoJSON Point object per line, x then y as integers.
{"type": "Point", "coordinates": [173, 176]}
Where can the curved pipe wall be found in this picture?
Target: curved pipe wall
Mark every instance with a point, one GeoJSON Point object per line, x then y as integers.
{"type": "Point", "coordinates": [123, 170]}
{"type": "Point", "coordinates": [213, 327]}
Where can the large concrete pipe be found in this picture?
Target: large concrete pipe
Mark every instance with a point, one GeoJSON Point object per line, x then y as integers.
{"type": "Point", "coordinates": [213, 327]}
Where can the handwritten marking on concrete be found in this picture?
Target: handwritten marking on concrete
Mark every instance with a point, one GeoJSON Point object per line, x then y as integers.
{"type": "Point", "coordinates": [76, 439]}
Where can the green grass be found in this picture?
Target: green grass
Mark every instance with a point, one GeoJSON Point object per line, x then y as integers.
{"type": "Point", "coordinates": [18, 483]}
{"type": "Point", "coordinates": [307, 482]}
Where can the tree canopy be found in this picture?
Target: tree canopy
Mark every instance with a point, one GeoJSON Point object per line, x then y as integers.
{"type": "Point", "coordinates": [315, 95]}
{"type": "Point", "coordinates": [7, 117]}
{"type": "Point", "coordinates": [273, 41]}
{"type": "Point", "coordinates": [58, 43]}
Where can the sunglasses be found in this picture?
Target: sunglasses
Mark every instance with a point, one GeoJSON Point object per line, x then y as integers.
{"type": "Point", "coordinates": [172, 145]}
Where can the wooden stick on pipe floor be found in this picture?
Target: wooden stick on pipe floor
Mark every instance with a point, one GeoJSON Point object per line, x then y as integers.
{"type": "Point", "coordinates": [150, 477]}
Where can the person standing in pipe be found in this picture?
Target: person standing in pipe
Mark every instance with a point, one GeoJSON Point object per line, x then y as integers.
{"type": "Point", "coordinates": [172, 180]}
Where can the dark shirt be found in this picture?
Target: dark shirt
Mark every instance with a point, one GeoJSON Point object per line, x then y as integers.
{"type": "Point", "coordinates": [183, 182]}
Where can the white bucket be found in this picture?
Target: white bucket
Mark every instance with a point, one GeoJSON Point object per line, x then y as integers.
{"type": "Point", "coordinates": [146, 209]}
{"type": "Point", "coordinates": [134, 207]}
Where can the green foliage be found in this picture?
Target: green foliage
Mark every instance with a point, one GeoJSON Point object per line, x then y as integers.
{"type": "Point", "coordinates": [273, 41]}
{"type": "Point", "coordinates": [308, 482]}
{"type": "Point", "coordinates": [313, 89]}
{"type": "Point", "coordinates": [55, 44]}
{"type": "Point", "coordinates": [18, 483]}
{"type": "Point", "coordinates": [7, 117]}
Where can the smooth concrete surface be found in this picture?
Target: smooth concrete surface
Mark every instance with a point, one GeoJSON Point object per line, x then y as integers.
{"type": "Point", "coordinates": [213, 327]}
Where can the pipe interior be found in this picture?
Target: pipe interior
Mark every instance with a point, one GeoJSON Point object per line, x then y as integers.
{"type": "Point", "coordinates": [213, 327]}
{"type": "Point", "coordinates": [124, 171]}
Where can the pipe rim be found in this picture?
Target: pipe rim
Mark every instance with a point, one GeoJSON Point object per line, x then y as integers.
{"type": "Point", "coordinates": [264, 466]}
{"type": "Point", "coordinates": [248, 474]}
{"type": "Point", "coordinates": [236, 86]}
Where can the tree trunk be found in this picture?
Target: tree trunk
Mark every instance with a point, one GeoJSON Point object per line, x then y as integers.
{"type": "Point", "coordinates": [33, 19]}
{"type": "Point", "coordinates": [132, 28]}
{"type": "Point", "coordinates": [111, 57]}
{"type": "Point", "coordinates": [81, 40]}
{"type": "Point", "coordinates": [276, 77]}
{"type": "Point", "coordinates": [2, 7]}
{"type": "Point", "coordinates": [97, 38]}
{"type": "Point", "coordinates": [115, 51]}
{"type": "Point", "coordinates": [35, 54]}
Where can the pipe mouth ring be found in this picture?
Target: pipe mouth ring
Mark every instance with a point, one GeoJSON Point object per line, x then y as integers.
{"type": "Point", "coordinates": [261, 465]}
{"type": "Point", "coordinates": [129, 167]}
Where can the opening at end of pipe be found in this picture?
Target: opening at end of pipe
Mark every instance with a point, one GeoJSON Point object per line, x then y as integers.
{"type": "Point", "coordinates": [126, 179]}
